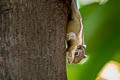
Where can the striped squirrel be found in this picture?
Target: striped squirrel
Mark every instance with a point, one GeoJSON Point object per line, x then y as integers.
{"type": "Point", "coordinates": [75, 37]}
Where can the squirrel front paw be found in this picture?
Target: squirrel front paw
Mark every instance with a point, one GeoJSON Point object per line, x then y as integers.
{"type": "Point", "coordinates": [71, 36]}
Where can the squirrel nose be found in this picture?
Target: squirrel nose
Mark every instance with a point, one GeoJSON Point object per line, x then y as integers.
{"type": "Point", "coordinates": [85, 56]}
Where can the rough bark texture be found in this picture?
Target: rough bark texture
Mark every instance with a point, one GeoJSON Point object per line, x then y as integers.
{"type": "Point", "coordinates": [32, 39]}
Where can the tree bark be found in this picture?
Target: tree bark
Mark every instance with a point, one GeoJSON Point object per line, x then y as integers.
{"type": "Point", "coordinates": [32, 39]}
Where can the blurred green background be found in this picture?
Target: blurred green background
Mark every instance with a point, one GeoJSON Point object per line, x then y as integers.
{"type": "Point", "coordinates": [102, 37]}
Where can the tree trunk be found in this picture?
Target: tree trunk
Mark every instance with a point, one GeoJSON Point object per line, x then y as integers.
{"type": "Point", "coordinates": [32, 39]}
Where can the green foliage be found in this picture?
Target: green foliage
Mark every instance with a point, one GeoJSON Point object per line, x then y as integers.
{"type": "Point", "coordinates": [102, 37]}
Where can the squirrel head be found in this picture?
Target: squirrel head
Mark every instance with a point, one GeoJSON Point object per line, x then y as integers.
{"type": "Point", "coordinates": [77, 54]}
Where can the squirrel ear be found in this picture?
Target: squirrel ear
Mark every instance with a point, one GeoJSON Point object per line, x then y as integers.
{"type": "Point", "coordinates": [84, 46]}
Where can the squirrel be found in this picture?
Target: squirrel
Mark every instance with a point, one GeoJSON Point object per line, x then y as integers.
{"type": "Point", "coordinates": [75, 37]}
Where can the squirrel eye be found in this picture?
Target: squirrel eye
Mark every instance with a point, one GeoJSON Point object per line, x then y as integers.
{"type": "Point", "coordinates": [76, 53]}
{"type": "Point", "coordinates": [79, 47]}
